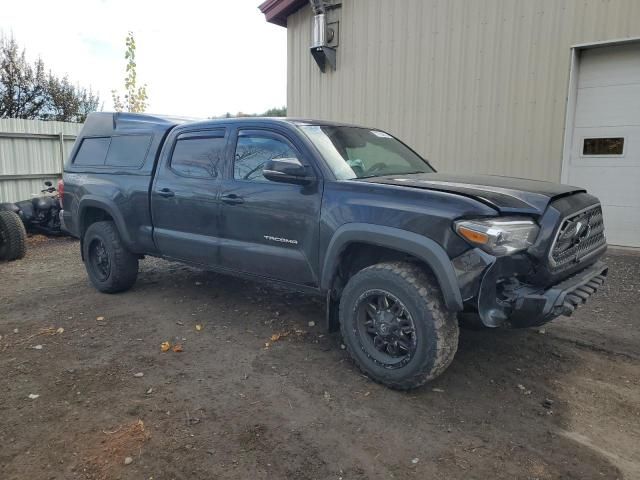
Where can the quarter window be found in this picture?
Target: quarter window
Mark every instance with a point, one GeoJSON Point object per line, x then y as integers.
{"type": "Point", "coordinates": [252, 154]}
{"type": "Point", "coordinates": [198, 156]}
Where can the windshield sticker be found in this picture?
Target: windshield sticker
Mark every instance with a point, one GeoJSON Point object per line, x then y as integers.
{"type": "Point", "coordinates": [380, 134]}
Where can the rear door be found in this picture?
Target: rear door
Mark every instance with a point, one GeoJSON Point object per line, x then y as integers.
{"type": "Point", "coordinates": [269, 229]}
{"type": "Point", "coordinates": [185, 195]}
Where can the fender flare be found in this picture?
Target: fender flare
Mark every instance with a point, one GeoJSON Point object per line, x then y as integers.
{"type": "Point", "coordinates": [111, 208]}
{"type": "Point", "coordinates": [419, 246]}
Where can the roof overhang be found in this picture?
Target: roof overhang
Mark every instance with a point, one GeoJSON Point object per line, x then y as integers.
{"type": "Point", "coordinates": [277, 11]}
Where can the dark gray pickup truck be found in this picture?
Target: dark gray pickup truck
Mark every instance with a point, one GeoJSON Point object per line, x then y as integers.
{"type": "Point", "coordinates": [401, 253]}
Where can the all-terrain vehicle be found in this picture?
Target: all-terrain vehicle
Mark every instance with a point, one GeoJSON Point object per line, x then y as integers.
{"type": "Point", "coordinates": [41, 213]}
{"type": "Point", "coordinates": [349, 213]}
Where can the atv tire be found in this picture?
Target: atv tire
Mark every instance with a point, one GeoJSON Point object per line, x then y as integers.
{"type": "Point", "coordinates": [395, 325]}
{"type": "Point", "coordinates": [13, 236]}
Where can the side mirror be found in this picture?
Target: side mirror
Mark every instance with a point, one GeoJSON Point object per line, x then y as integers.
{"type": "Point", "coordinates": [287, 170]}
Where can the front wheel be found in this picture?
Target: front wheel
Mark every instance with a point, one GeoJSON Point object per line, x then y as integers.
{"type": "Point", "coordinates": [395, 325]}
{"type": "Point", "coordinates": [110, 266]}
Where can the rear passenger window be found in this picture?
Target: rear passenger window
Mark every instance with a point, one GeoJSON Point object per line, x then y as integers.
{"type": "Point", "coordinates": [92, 151]}
{"type": "Point", "coordinates": [128, 151]}
{"type": "Point", "coordinates": [253, 152]}
{"type": "Point", "coordinates": [198, 156]}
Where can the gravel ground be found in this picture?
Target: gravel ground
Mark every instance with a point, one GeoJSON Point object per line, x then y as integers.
{"type": "Point", "coordinates": [260, 391]}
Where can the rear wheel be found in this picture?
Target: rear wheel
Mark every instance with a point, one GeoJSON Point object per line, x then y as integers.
{"type": "Point", "coordinates": [110, 266]}
{"type": "Point", "coordinates": [395, 325]}
{"type": "Point", "coordinates": [13, 236]}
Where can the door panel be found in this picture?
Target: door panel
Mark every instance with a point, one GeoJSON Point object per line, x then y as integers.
{"type": "Point", "coordinates": [185, 198]}
{"type": "Point", "coordinates": [267, 228]}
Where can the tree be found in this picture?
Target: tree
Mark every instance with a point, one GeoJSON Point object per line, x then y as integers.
{"type": "Point", "coordinates": [135, 98]}
{"type": "Point", "coordinates": [275, 112]}
{"type": "Point", "coordinates": [27, 91]}
{"type": "Point", "coordinates": [272, 112]}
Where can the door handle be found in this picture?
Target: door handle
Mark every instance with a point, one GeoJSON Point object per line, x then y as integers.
{"type": "Point", "coordinates": [165, 192]}
{"type": "Point", "coordinates": [232, 199]}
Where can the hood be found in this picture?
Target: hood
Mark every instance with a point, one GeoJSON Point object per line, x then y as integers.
{"type": "Point", "coordinates": [506, 194]}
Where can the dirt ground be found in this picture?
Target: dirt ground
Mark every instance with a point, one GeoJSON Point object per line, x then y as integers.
{"type": "Point", "coordinates": [560, 402]}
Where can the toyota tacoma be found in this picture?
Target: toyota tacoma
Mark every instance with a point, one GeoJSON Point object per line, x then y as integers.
{"type": "Point", "coordinates": [400, 253]}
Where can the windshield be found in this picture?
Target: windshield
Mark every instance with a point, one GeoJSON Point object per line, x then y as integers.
{"type": "Point", "coordinates": [354, 152]}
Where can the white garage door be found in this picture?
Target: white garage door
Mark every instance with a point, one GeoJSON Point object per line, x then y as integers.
{"type": "Point", "coordinates": [605, 153]}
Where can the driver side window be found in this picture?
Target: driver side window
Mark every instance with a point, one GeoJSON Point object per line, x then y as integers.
{"type": "Point", "coordinates": [254, 151]}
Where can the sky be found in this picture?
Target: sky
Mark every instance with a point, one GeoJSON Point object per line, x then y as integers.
{"type": "Point", "coordinates": [198, 58]}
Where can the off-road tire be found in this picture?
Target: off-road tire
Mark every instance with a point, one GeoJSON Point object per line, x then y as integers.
{"type": "Point", "coordinates": [123, 269]}
{"type": "Point", "coordinates": [436, 327]}
{"type": "Point", "coordinates": [13, 236]}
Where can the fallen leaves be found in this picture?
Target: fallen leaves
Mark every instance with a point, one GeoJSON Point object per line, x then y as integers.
{"type": "Point", "coordinates": [280, 335]}
{"type": "Point", "coordinates": [166, 346]}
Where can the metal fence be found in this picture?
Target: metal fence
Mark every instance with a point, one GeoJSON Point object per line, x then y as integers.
{"type": "Point", "coordinates": [31, 152]}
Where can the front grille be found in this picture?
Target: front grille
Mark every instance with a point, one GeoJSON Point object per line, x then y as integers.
{"type": "Point", "coordinates": [580, 234]}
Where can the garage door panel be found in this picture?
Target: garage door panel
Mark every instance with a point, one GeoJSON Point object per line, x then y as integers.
{"type": "Point", "coordinates": [631, 147]}
{"type": "Point", "coordinates": [607, 115]}
{"type": "Point", "coordinates": [613, 186]}
{"type": "Point", "coordinates": [610, 66]}
{"type": "Point", "coordinates": [622, 225]}
{"type": "Point", "coordinates": [608, 106]}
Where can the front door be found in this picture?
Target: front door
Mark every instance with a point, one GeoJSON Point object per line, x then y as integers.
{"type": "Point", "coordinates": [184, 201]}
{"type": "Point", "coordinates": [269, 229]}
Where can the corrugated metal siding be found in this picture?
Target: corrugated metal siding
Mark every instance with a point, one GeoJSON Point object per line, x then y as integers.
{"type": "Point", "coordinates": [475, 86]}
{"type": "Point", "coordinates": [33, 157]}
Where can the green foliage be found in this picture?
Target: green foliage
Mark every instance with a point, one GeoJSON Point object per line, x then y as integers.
{"type": "Point", "coordinates": [275, 112]}
{"type": "Point", "coordinates": [135, 98]}
{"type": "Point", "coordinates": [28, 91]}
{"type": "Point", "coordinates": [272, 112]}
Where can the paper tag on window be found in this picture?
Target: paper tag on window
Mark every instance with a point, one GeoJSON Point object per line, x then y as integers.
{"type": "Point", "coordinates": [380, 134]}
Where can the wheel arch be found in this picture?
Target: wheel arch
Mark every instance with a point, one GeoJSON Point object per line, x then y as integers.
{"type": "Point", "coordinates": [427, 251]}
{"type": "Point", "coordinates": [88, 213]}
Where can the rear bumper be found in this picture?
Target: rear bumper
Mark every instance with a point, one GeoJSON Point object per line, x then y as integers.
{"type": "Point", "coordinates": [535, 308]}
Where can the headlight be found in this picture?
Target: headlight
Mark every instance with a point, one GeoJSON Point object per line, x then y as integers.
{"type": "Point", "coordinates": [499, 236]}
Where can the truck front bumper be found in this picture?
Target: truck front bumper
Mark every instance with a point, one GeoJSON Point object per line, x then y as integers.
{"type": "Point", "coordinates": [535, 308]}
{"type": "Point", "coordinates": [492, 289]}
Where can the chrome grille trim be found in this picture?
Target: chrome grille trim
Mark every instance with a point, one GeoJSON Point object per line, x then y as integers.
{"type": "Point", "coordinates": [591, 242]}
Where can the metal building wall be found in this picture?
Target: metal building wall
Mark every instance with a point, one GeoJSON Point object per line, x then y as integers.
{"type": "Point", "coordinates": [31, 152]}
{"type": "Point", "coordinates": [475, 86]}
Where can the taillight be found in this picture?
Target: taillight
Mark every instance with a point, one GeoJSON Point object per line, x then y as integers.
{"type": "Point", "coordinates": [60, 190]}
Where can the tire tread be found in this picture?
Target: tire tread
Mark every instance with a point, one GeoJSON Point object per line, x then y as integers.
{"type": "Point", "coordinates": [14, 230]}
{"type": "Point", "coordinates": [124, 269]}
{"type": "Point", "coordinates": [445, 324]}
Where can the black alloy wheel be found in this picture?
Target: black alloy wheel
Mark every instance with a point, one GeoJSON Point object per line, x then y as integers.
{"type": "Point", "coordinates": [385, 328]}
{"type": "Point", "coordinates": [99, 259]}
